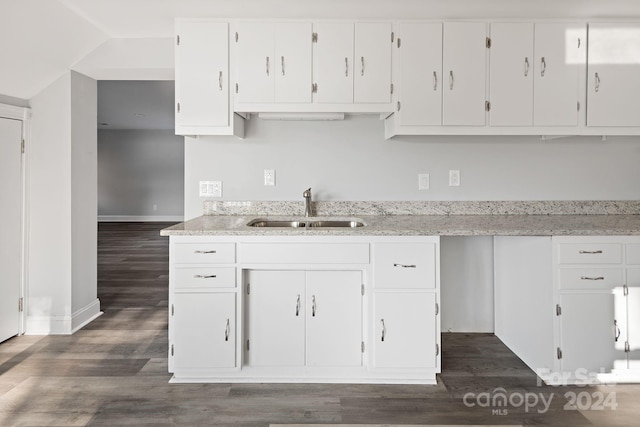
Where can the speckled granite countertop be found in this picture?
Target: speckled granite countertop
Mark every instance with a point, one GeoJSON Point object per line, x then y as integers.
{"type": "Point", "coordinates": [422, 218]}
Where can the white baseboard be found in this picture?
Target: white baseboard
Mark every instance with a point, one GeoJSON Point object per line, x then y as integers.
{"type": "Point", "coordinates": [140, 218]}
{"type": "Point", "coordinates": [63, 325]}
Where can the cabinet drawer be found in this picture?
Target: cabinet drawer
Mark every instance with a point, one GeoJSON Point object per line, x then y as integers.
{"type": "Point", "coordinates": [203, 253]}
{"type": "Point", "coordinates": [304, 253]}
{"type": "Point", "coordinates": [590, 278]}
{"type": "Point", "coordinates": [205, 277]}
{"type": "Point", "coordinates": [590, 253]}
{"type": "Point", "coordinates": [633, 253]}
{"type": "Point", "coordinates": [405, 265]}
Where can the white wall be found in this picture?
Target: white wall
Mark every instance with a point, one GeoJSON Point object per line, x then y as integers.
{"type": "Point", "coordinates": [351, 160]}
{"type": "Point", "coordinates": [138, 169]}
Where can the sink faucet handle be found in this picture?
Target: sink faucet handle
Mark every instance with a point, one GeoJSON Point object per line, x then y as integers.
{"type": "Point", "coordinates": [307, 193]}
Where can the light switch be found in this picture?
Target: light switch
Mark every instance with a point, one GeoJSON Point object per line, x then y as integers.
{"type": "Point", "coordinates": [423, 181]}
{"type": "Point", "coordinates": [270, 177]}
{"type": "Point", "coordinates": [210, 188]}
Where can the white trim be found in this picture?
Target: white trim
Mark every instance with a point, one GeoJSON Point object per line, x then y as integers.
{"type": "Point", "coordinates": [13, 112]}
{"type": "Point", "coordinates": [63, 325]}
{"type": "Point", "coordinates": [140, 218]}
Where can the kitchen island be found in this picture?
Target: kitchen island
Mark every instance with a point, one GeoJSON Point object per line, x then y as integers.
{"type": "Point", "coordinates": [362, 304]}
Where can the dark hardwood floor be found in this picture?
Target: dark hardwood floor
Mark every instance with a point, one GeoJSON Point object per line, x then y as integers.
{"type": "Point", "coordinates": [114, 371]}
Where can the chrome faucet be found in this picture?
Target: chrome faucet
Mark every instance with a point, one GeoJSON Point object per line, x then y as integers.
{"type": "Point", "coordinates": [307, 202]}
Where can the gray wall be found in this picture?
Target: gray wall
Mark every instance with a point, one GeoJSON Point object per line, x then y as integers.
{"type": "Point", "coordinates": [138, 169]}
{"type": "Point", "coordinates": [351, 160]}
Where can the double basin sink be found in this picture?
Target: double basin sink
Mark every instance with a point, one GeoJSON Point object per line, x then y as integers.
{"type": "Point", "coordinates": [306, 223]}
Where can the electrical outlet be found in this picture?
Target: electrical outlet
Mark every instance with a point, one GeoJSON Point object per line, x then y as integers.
{"type": "Point", "coordinates": [423, 181]}
{"type": "Point", "coordinates": [270, 177]}
{"type": "Point", "coordinates": [210, 188]}
{"type": "Point", "coordinates": [454, 178]}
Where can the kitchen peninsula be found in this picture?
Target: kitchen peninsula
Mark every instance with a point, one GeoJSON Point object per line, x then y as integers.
{"type": "Point", "coordinates": [362, 304]}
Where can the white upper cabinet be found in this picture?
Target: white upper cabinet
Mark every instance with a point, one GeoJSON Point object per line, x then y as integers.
{"type": "Point", "coordinates": [535, 73]}
{"type": "Point", "coordinates": [372, 76]}
{"type": "Point", "coordinates": [333, 62]}
{"type": "Point", "coordinates": [273, 62]}
{"type": "Point", "coordinates": [560, 51]}
{"type": "Point", "coordinates": [202, 79]}
{"type": "Point", "coordinates": [420, 74]}
{"type": "Point", "coordinates": [613, 82]}
{"type": "Point", "coordinates": [464, 65]}
{"type": "Point", "coordinates": [511, 77]}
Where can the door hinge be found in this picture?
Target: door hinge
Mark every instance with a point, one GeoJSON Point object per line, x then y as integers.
{"type": "Point", "coordinates": [437, 349]}
{"type": "Point", "coordinates": [399, 43]}
{"type": "Point", "coordinates": [20, 304]}
{"type": "Point", "coordinates": [22, 146]}
{"type": "Point", "coordinates": [172, 349]}
{"type": "Point", "coordinates": [178, 107]}
{"type": "Point", "coordinates": [362, 289]}
{"type": "Point", "coordinates": [578, 105]}
{"type": "Point", "coordinates": [398, 105]}
{"type": "Point", "coordinates": [248, 288]}
{"type": "Point", "coordinates": [627, 348]}
{"type": "Point", "coordinates": [437, 309]}
{"type": "Point", "coordinates": [558, 310]}
{"type": "Point", "coordinates": [248, 346]}
{"type": "Point", "coordinates": [487, 106]}
{"type": "Point", "coordinates": [314, 37]}
{"type": "Point", "coordinates": [391, 88]}
{"type": "Point", "coordinates": [488, 42]}
{"type": "Point", "coordinates": [178, 40]}
{"type": "Point", "coordinates": [625, 290]}
{"type": "Point", "coordinates": [392, 36]}
{"type": "Point", "coordinates": [362, 346]}
{"type": "Point", "coordinates": [236, 37]}
{"type": "Point", "coordinates": [236, 87]}
{"type": "Point", "coordinates": [579, 42]}
{"type": "Point", "coordinates": [314, 88]}
{"type": "Point", "coordinates": [559, 353]}
{"type": "Point", "coordinates": [173, 311]}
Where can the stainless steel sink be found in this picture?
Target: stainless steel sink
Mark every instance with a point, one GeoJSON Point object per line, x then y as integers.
{"type": "Point", "coordinates": [324, 223]}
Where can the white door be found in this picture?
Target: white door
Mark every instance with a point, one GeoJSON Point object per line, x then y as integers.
{"type": "Point", "coordinates": [293, 62]}
{"type": "Point", "coordinates": [560, 50]}
{"type": "Point", "coordinates": [613, 83]}
{"type": "Point", "coordinates": [464, 66]}
{"type": "Point", "coordinates": [372, 74]}
{"type": "Point", "coordinates": [202, 79]}
{"type": "Point", "coordinates": [405, 330]}
{"type": "Point", "coordinates": [511, 76]}
{"type": "Point", "coordinates": [334, 318]}
{"type": "Point", "coordinates": [276, 318]}
{"type": "Point", "coordinates": [11, 220]}
{"type": "Point", "coordinates": [333, 62]}
{"type": "Point", "coordinates": [256, 68]}
{"type": "Point", "coordinates": [205, 335]}
{"type": "Point", "coordinates": [588, 333]}
{"type": "Point", "coordinates": [421, 81]}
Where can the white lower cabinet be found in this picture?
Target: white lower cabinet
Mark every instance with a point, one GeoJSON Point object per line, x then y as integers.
{"type": "Point", "coordinates": [405, 325]}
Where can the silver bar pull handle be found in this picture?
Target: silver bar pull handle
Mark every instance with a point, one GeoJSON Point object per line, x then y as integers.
{"type": "Point", "coordinates": [451, 80]}
{"type": "Point", "coordinates": [298, 306]}
{"type": "Point", "coordinates": [435, 81]}
{"type": "Point", "coordinates": [616, 330]}
{"type": "Point", "coordinates": [346, 67]}
{"type": "Point", "coordinates": [405, 265]}
{"type": "Point", "coordinates": [590, 252]}
{"type": "Point", "coordinates": [384, 330]}
{"type": "Point", "coordinates": [202, 276]}
{"type": "Point", "coordinates": [543, 66]}
{"type": "Point", "coordinates": [267, 65]}
{"type": "Point", "coordinates": [362, 65]}
{"type": "Point", "coordinates": [227, 331]}
{"type": "Point", "coordinates": [220, 80]}
{"type": "Point", "coordinates": [526, 66]}
{"type": "Point", "coordinates": [282, 64]}
{"type": "Point", "coordinates": [204, 252]}
{"type": "Point", "coordinates": [313, 306]}
{"type": "Point", "coordinates": [591, 278]}
{"type": "Point", "coordinates": [597, 82]}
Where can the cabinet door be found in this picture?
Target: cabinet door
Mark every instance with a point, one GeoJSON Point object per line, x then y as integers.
{"type": "Point", "coordinates": [420, 77]}
{"type": "Point", "coordinates": [372, 68]}
{"type": "Point", "coordinates": [275, 308]}
{"type": "Point", "coordinates": [464, 65]}
{"type": "Point", "coordinates": [333, 63]}
{"type": "Point", "coordinates": [559, 58]}
{"type": "Point", "coordinates": [405, 330]}
{"type": "Point", "coordinates": [293, 62]}
{"type": "Point", "coordinates": [613, 83]}
{"type": "Point", "coordinates": [202, 80]}
{"type": "Point", "coordinates": [255, 62]}
{"type": "Point", "coordinates": [334, 318]}
{"type": "Point", "coordinates": [633, 326]}
{"type": "Point", "coordinates": [511, 76]}
{"type": "Point", "coordinates": [588, 332]}
{"type": "Point", "coordinates": [204, 334]}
